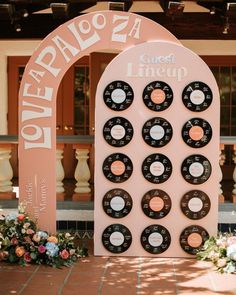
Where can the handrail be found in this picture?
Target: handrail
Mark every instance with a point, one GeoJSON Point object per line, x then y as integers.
{"type": "Point", "coordinates": [60, 139]}
{"type": "Point", "coordinates": [227, 140]}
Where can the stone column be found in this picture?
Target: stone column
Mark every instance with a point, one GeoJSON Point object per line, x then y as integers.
{"type": "Point", "coordinates": [234, 176]}
{"type": "Point", "coordinates": [82, 175]}
{"type": "Point", "coordinates": [221, 161]}
{"type": "Point", "coordinates": [6, 172]}
{"type": "Point", "coordinates": [60, 173]}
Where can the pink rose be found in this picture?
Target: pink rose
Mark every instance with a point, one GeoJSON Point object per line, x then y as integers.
{"type": "Point", "coordinates": [30, 231]}
{"type": "Point", "coordinates": [26, 225]}
{"type": "Point", "coordinates": [3, 255]}
{"type": "Point", "coordinates": [64, 254]}
{"type": "Point", "coordinates": [231, 240]}
{"type": "Point", "coordinates": [14, 241]}
{"type": "Point", "coordinates": [41, 249]}
{"type": "Point", "coordinates": [27, 257]}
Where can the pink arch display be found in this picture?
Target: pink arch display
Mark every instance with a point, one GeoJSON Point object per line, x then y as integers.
{"type": "Point", "coordinates": [38, 92]}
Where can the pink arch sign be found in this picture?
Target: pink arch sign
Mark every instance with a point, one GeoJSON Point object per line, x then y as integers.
{"type": "Point", "coordinates": [38, 92]}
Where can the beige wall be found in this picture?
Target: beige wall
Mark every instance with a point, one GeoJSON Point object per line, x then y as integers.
{"type": "Point", "coordinates": [20, 48]}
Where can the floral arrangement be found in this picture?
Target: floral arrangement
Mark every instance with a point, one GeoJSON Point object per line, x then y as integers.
{"type": "Point", "coordinates": [21, 242]}
{"type": "Point", "coordinates": [221, 251]}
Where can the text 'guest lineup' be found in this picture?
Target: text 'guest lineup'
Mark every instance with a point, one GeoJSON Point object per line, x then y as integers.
{"type": "Point", "coordinates": [156, 153]}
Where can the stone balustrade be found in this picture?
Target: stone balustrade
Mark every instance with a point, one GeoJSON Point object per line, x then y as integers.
{"type": "Point", "coordinates": [82, 146]}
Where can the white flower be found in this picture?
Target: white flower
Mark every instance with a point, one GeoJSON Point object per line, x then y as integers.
{"type": "Point", "coordinates": [231, 251]}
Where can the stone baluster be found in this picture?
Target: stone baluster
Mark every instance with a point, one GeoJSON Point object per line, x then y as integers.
{"type": "Point", "coordinates": [221, 161]}
{"type": "Point", "coordinates": [234, 176]}
{"type": "Point", "coordinates": [82, 175]}
{"type": "Point", "coordinates": [6, 173]}
{"type": "Point", "coordinates": [60, 173]}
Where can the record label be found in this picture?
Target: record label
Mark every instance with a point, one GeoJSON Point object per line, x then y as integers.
{"type": "Point", "coordinates": [196, 169]}
{"type": "Point", "coordinates": [196, 133]}
{"type": "Point", "coordinates": [197, 96]}
{"type": "Point", "coordinates": [157, 132]}
{"type": "Point", "coordinates": [118, 131]}
{"type": "Point", "coordinates": [195, 204]}
{"type": "Point", "coordinates": [155, 239]}
{"type": "Point", "coordinates": [156, 204]}
{"type": "Point", "coordinates": [118, 95]}
{"type": "Point", "coordinates": [192, 238]}
{"type": "Point", "coordinates": [117, 203]}
{"type": "Point", "coordinates": [157, 96]}
{"type": "Point", "coordinates": [117, 167]}
{"type": "Point", "coordinates": [116, 238]}
{"type": "Point", "coordinates": [156, 168]}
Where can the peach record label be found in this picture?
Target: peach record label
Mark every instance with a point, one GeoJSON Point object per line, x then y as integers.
{"type": "Point", "coordinates": [156, 204]}
{"type": "Point", "coordinates": [196, 133]}
{"type": "Point", "coordinates": [117, 167]}
{"type": "Point", "coordinates": [194, 240]}
{"type": "Point", "coordinates": [158, 96]}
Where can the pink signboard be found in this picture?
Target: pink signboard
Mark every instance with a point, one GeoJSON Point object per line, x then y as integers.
{"type": "Point", "coordinates": [156, 153]}
{"type": "Point", "coordinates": [38, 92]}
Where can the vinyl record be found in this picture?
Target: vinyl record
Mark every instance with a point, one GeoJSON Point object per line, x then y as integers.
{"type": "Point", "coordinates": [157, 132]}
{"type": "Point", "coordinates": [156, 204]}
{"type": "Point", "coordinates": [197, 96]}
{"type": "Point", "coordinates": [156, 168]}
{"type": "Point", "coordinates": [117, 167]}
{"type": "Point", "coordinates": [196, 132]}
{"type": "Point", "coordinates": [192, 238]}
{"type": "Point", "coordinates": [116, 238]}
{"type": "Point", "coordinates": [195, 204]}
{"type": "Point", "coordinates": [157, 96]}
{"type": "Point", "coordinates": [155, 239]}
{"type": "Point", "coordinates": [118, 131]}
{"type": "Point", "coordinates": [117, 203]}
{"type": "Point", "coordinates": [196, 169]}
{"type": "Point", "coordinates": [118, 95]}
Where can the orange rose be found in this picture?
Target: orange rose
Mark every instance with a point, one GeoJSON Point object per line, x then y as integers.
{"type": "Point", "coordinates": [20, 251]}
{"type": "Point", "coordinates": [53, 239]}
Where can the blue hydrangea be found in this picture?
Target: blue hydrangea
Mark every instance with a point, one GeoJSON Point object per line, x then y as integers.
{"type": "Point", "coordinates": [42, 234]}
{"type": "Point", "coordinates": [11, 216]}
{"type": "Point", "coordinates": [52, 249]}
{"type": "Point", "coordinates": [231, 250]}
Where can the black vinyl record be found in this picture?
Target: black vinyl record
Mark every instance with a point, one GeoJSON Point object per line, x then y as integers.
{"type": "Point", "coordinates": [118, 131]}
{"type": "Point", "coordinates": [116, 238]}
{"type": "Point", "coordinates": [192, 238]}
{"type": "Point", "coordinates": [156, 204]}
{"type": "Point", "coordinates": [195, 204]}
{"type": "Point", "coordinates": [156, 168]}
{"type": "Point", "coordinates": [117, 167]}
{"type": "Point", "coordinates": [155, 239]}
{"type": "Point", "coordinates": [196, 169]}
{"type": "Point", "coordinates": [157, 96]}
{"type": "Point", "coordinates": [196, 132]}
{"type": "Point", "coordinates": [117, 203]}
{"type": "Point", "coordinates": [197, 96]}
{"type": "Point", "coordinates": [157, 132]}
{"type": "Point", "coordinates": [118, 95]}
